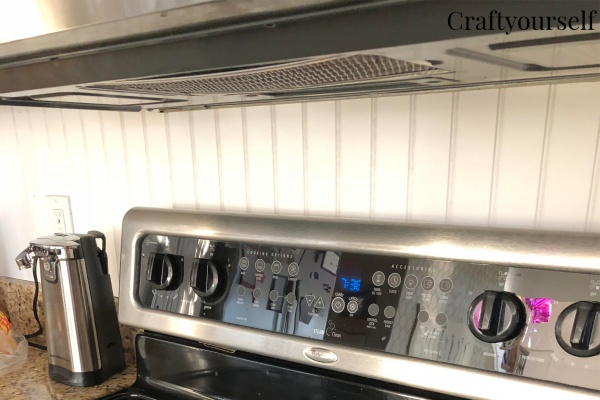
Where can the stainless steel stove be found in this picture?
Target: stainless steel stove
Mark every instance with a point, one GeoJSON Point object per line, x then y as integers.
{"type": "Point", "coordinates": [256, 307]}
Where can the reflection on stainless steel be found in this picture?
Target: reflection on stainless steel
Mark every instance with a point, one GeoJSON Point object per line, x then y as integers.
{"type": "Point", "coordinates": [529, 354]}
{"type": "Point", "coordinates": [567, 251]}
{"type": "Point", "coordinates": [70, 324]}
{"type": "Point", "coordinates": [540, 308]}
{"type": "Point", "coordinates": [36, 25]}
{"type": "Point", "coordinates": [24, 260]}
{"type": "Point", "coordinates": [29, 18]}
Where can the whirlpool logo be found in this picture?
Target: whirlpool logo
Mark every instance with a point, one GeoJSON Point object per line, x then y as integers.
{"type": "Point", "coordinates": [320, 355]}
{"type": "Point", "coordinates": [496, 21]}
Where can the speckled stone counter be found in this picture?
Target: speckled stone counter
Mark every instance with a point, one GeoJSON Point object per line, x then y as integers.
{"type": "Point", "coordinates": [31, 382]}
{"type": "Point", "coordinates": [16, 300]}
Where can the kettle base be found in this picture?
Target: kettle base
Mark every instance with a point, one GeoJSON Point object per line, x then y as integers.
{"type": "Point", "coordinates": [82, 379]}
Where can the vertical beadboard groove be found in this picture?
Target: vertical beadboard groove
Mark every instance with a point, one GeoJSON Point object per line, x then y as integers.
{"type": "Point", "coordinates": [372, 199]}
{"type": "Point", "coordinates": [194, 158]}
{"type": "Point", "coordinates": [304, 111]}
{"type": "Point", "coordinates": [496, 152]}
{"type": "Point", "coordinates": [14, 130]}
{"type": "Point", "coordinates": [64, 134]}
{"type": "Point", "coordinates": [116, 237]}
{"type": "Point", "coordinates": [451, 155]}
{"type": "Point", "coordinates": [17, 141]}
{"type": "Point", "coordinates": [125, 151]}
{"type": "Point", "coordinates": [275, 160]}
{"type": "Point", "coordinates": [21, 235]}
{"type": "Point", "coordinates": [411, 155]}
{"type": "Point", "coordinates": [170, 153]}
{"type": "Point", "coordinates": [539, 208]}
{"type": "Point", "coordinates": [338, 158]}
{"type": "Point", "coordinates": [591, 210]}
{"type": "Point", "coordinates": [46, 130]}
{"type": "Point", "coordinates": [246, 163]}
{"type": "Point", "coordinates": [84, 139]}
{"type": "Point", "coordinates": [86, 152]}
{"type": "Point", "coordinates": [103, 140]}
{"type": "Point", "coordinates": [452, 147]}
{"type": "Point", "coordinates": [219, 158]}
{"type": "Point", "coordinates": [30, 127]}
{"type": "Point", "coordinates": [148, 168]}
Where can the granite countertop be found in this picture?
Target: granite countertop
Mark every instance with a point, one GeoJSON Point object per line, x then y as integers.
{"type": "Point", "coordinates": [31, 382]}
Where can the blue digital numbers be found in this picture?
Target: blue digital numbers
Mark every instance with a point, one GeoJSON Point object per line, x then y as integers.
{"type": "Point", "coordinates": [351, 284]}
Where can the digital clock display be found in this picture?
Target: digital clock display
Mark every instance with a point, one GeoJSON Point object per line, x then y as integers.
{"type": "Point", "coordinates": [351, 284]}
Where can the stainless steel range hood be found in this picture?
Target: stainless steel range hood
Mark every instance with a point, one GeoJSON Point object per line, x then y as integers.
{"type": "Point", "coordinates": [205, 54]}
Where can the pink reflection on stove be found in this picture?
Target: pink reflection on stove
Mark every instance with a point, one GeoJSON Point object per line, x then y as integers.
{"type": "Point", "coordinates": [477, 314]}
{"type": "Point", "coordinates": [541, 309]}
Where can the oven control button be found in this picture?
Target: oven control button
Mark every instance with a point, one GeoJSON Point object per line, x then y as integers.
{"type": "Point", "coordinates": [394, 280]}
{"type": "Point", "coordinates": [352, 307]}
{"type": "Point", "coordinates": [244, 263]}
{"type": "Point", "coordinates": [337, 305]}
{"type": "Point", "coordinates": [259, 265]}
{"type": "Point", "coordinates": [389, 312]}
{"type": "Point", "coordinates": [495, 317]}
{"type": "Point", "coordinates": [165, 271]}
{"type": "Point", "coordinates": [373, 310]}
{"type": "Point", "coordinates": [578, 329]}
{"type": "Point", "coordinates": [427, 283]}
{"type": "Point", "coordinates": [320, 304]}
{"type": "Point", "coordinates": [411, 282]}
{"type": "Point", "coordinates": [204, 277]}
{"type": "Point", "coordinates": [309, 299]}
{"type": "Point", "coordinates": [423, 316]}
{"type": "Point", "coordinates": [446, 285]}
{"type": "Point", "coordinates": [293, 269]}
{"type": "Point", "coordinates": [441, 319]}
{"type": "Point", "coordinates": [276, 267]}
{"type": "Point", "coordinates": [378, 278]}
{"type": "Point", "coordinates": [241, 290]}
{"type": "Point", "coordinates": [290, 298]}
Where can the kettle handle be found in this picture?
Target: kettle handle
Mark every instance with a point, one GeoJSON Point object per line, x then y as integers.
{"type": "Point", "coordinates": [102, 251]}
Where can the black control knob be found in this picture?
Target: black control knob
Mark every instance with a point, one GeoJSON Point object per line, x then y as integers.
{"type": "Point", "coordinates": [205, 278]}
{"type": "Point", "coordinates": [165, 271]}
{"type": "Point", "coordinates": [496, 316]}
{"type": "Point", "coordinates": [578, 329]}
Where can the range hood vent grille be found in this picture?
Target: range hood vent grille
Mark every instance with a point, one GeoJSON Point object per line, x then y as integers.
{"type": "Point", "coordinates": [324, 72]}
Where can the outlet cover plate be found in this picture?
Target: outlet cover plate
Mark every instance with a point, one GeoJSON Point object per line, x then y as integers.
{"type": "Point", "coordinates": [59, 205]}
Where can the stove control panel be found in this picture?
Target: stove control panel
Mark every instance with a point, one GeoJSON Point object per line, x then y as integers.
{"type": "Point", "coordinates": [520, 321]}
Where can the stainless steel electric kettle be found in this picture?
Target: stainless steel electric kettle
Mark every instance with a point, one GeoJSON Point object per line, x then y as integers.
{"type": "Point", "coordinates": [82, 332]}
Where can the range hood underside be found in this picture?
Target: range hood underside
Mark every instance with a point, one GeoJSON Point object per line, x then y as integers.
{"type": "Point", "coordinates": [268, 73]}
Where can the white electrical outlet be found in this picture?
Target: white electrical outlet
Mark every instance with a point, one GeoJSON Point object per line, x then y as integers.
{"type": "Point", "coordinates": [59, 220]}
{"type": "Point", "coordinates": [59, 211]}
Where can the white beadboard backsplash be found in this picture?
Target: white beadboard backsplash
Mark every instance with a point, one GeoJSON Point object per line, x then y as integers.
{"type": "Point", "coordinates": [523, 157]}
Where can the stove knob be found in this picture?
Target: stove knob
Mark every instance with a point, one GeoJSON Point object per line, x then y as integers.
{"type": "Point", "coordinates": [578, 329]}
{"type": "Point", "coordinates": [204, 278]}
{"type": "Point", "coordinates": [496, 316]}
{"type": "Point", "coordinates": [165, 271]}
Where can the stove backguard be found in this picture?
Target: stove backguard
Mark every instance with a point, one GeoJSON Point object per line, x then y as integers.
{"type": "Point", "coordinates": [387, 316]}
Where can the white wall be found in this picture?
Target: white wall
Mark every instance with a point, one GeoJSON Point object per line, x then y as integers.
{"type": "Point", "coordinates": [520, 157]}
